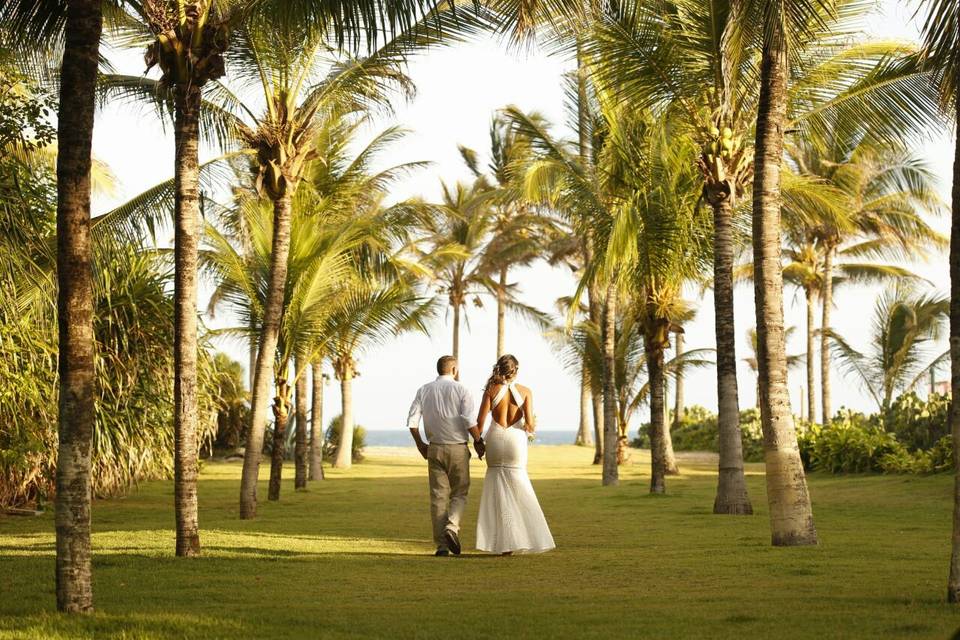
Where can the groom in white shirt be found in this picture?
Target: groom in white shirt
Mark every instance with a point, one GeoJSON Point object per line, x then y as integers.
{"type": "Point", "coordinates": [447, 410]}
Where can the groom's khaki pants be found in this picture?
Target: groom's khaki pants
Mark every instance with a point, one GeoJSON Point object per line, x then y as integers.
{"type": "Point", "coordinates": [449, 469]}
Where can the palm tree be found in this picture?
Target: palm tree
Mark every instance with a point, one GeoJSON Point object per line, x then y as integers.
{"type": "Point", "coordinates": [284, 142]}
{"type": "Point", "coordinates": [702, 60]}
{"type": "Point", "coordinates": [657, 238]}
{"type": "Point", "coordinates": [565, 342]}
{"type": "Point", "coordinates": [187, 41]}
{"type": "Point", "coordinates": [518, 235]}
{"type": "Point", "coordinates": [371, 311]}
{"type": "Point", "coordinates": [904, 323]}
{"type": "Point", "coordinates": [455, 241]}
{"type": "Point", "coordinates": [885, 191]}
{"type": "Point", "coordinates": [318, 379]}
{"type": "Point", "coordinates": [942, 53]}
{"type": "Point", "coordinates": [557, 177]}
{"type": "Point", "coordinates": [336, 214]}
{"type": "Point", "coordinates": [80, 22]}
{"type": "Point", "coordinates": [317, 264]}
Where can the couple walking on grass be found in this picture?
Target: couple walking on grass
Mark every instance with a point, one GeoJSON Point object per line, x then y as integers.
{"type": "Point", "coordinates": [510, 519]}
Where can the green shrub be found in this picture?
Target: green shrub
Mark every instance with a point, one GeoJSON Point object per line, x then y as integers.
{"type": "Point", "coordinates": [918, 424]}
{"type": "Point", "coordinates": [856, 443]}
{"type": "Point", "coordinates": [698, 431]}
{"type": "Point", "coordinates": [848, 448]}
{"type": "Point", "coordinates": [332, 440]}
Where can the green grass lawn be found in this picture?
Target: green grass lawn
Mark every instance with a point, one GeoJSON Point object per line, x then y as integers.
{"type": "Point", "coordinates": [351, 558]}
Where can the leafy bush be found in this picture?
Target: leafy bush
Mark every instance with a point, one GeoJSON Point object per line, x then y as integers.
{"type": "Point", "coordinates": [698, 432]}
{"type": "Point", "coordinates": [911, 438]}
{"type": "Point", "coordinates": [918, 424]}
{"type": "Point", "coordinates": [332, 440]}
{"type": "Point", "coordinates": [848, 448]}
{"type": "Point", "coordinates": [856, 443]}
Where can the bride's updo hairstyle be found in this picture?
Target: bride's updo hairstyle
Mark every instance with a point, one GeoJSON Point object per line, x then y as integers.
{"type": "Point", "coordinates": [503, 371]}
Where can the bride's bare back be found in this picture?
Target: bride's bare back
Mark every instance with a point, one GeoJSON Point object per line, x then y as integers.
{"type": "Point", "coordinates": [507, 411]}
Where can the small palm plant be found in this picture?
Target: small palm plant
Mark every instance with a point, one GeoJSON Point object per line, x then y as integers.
{"type": "Point", "coordinates": [905, 324]}
{"type": "Point", "coordinates": [456, 237]}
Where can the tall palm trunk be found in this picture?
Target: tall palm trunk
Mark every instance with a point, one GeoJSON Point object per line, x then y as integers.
{"type": "Point", "coordinates": [827, 293]}
{"type": "Point", "coordinates": [78, 78]}
{"type": "Point", "coordinates": [584, 435]}
{"type": "Point", "coordinates": [593, 302]}
{"type": "Point", "coordinates": [670, 458]}
{"type": "Point", "coordinates": [269, 334]}
{"type": "Point", "coordinates": [456, 335]}
{"type": "Point", "coordinates": [186, 254]}
{"type": "Point", "coordinates": [345, 447]}
{"type": "Point", "coordinates": [791, 516]}
{"type": "Point", "coordinates": [811, 378]}
{"type": "Point", "coordinates": [300, 444]}
{"type": "Point", "coordinates": [501, 311]}
{"type": "Point", "coordinates": [595, 311]}
{"type": "Point", "coordinates": [281, 419]}
{"type": "Point", "coordinates": [611, 434]}
{"type": "Point", "coordinates": [658, 451]}
{"type": "Point", "coordinates": [731, 498]}
{"type": "Point", "coordinates": [953, 586]}
{"type": "Point", "coordinates": [678, 400]}
{"type": "Point", "coordinates": [252, 356]}
{"type": "Point", "coordinates": [316, 423]}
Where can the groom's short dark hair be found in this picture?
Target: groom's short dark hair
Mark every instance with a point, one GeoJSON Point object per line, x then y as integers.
{"type": "Point", "coordinates": [446, 364]}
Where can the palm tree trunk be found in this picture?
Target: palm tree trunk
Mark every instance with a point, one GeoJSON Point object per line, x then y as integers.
{"type": "Point", "coordinates": [281, 419]}
{"type": "Point", "coordinates": [456, 335]}
{"type": "Point", "coordinates": [75, 424]}
{"type": "Point", "coordinates": [731, 498]}
{"type": "Point", "coordinates": [345, 447]}
{"type": "Point", "coordinates": [584, 436]}
{"type": "Point", "coordinates": [811, 381]}
{"type": "Point", "coordinates": [678, 405]}
{"type": "Point", "coordinates": [594, 309]}
{"type": "Point", "coordinates": [186, 249]}
{"type": "Point", "coordinates": [658, 451]}
{"type": "Point", "coordinates": [269, 334]}
{"type": "Point", "coordinates": [300, 444]}
{"type": "Point", "coordinates": [598, 431]}
{"type": "Point", "coordinates": [953, 586]}
{"type": "Point", "coordinates": [827, 291]}
{"type": "Point", "coordinates": [791, 516]}
{"type": "Point", "coordinates": [611, 475]}
{"type": "Point", "coordinates": [316, 423]}
{"type": "Point", "coordinates": [670, 458]}
{"type": "Point", "coordinates": [501, 310]}
{"type": "Point", "coordinates": [252, 357]}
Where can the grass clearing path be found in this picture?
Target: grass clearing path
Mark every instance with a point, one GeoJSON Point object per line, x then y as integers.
{"type": "Point", "coordinates": [350, 558]}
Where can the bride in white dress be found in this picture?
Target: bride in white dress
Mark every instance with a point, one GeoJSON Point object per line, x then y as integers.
{"type": "Point", "coordinates": [510, 520]}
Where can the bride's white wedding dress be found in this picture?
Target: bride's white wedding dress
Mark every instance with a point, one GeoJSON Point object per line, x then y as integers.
{"type": "Point", "coordinates": [510, 516]}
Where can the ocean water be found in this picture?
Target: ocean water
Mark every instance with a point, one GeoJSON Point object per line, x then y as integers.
{"type": "Point", "coordinates": [401, 438]}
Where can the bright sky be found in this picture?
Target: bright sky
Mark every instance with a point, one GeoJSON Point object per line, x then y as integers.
{"type": "Point", "coordinates": [458, 91]}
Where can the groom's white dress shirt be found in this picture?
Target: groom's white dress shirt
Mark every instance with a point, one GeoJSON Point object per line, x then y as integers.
{"type": "Point", "coordinates": [447, 410]}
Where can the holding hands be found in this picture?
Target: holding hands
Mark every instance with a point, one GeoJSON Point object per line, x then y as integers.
{"type": "Point", "coordinates": [479, 447]}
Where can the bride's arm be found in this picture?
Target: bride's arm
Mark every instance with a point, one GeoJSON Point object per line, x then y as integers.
{"type": "Point", "coordinates": [477, 429]}
{"type": "Point", "coordinates": [529, 418]}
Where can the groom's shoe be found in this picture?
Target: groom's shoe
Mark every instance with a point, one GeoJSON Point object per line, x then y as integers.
{"type": "Point", "coordinates": [441, 552]}
{"type": "Point", "coordinates": [452, 540]}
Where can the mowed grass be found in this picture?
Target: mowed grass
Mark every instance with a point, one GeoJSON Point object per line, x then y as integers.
{"type": "Point", "coordinates": [351, 558]}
